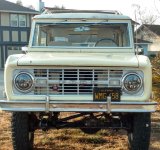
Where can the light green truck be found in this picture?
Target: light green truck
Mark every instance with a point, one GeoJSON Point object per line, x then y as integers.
{"type": "Point", "coordinates": [84, 62]}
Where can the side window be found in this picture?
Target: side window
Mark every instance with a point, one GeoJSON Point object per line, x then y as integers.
{"type": "Point", "coordinates": [18, 20]}
{"type": "Point", "coordinates": [40, 37]}
{"type": "Point", "coordinates": [14, 20]}
{"type": "Point", "coordinates": [125, 35]}
{"type": "Point", "coordinates": [43, 38]}
{"type": "Point", "coordinates": [22, 20]}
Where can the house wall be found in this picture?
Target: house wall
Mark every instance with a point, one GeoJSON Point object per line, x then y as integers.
{"type": "Point", "coordinates": [1, 58]}
{"type": "Point", "coordinates": [24, 36]}
{"type": "Point", "coordinates": [147, 35]}
{"type": "Point", "coordinates": [5, 36]}
{"type": "Point", "coordinates": [5, 19]}
{"type": "Point", "coordinates": [15, 37]}
{"type": "Point", "coordinates": [11, 52]}
{"type": "Point", "coordinates": [12, 38]}
{"type": "Point", "coordinates": [155, 46]}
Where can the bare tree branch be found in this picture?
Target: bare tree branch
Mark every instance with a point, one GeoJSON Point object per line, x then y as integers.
{"type": "Point", "coordinates": [144, 16]}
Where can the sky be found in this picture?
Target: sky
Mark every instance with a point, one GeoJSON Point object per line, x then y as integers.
{"type": "Point", "coordinates": [124, 6]}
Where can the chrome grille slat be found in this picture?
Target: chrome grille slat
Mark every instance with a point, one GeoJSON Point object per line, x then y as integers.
{"type": "Point", "coordinates": [73, 81]}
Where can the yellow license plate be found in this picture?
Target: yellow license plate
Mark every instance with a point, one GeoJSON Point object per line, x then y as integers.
{"type": "Point", "coordinates": [101, 94]}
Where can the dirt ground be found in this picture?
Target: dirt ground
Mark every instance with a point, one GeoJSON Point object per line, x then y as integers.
{"type": "Point", "coordinates": [74, 139]}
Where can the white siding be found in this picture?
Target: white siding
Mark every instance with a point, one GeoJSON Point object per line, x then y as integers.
{"type": "Point", "coordinates": [6, 36]}
{"type": "Point", "coordinates": [23, 36]}
{"type": "Point", "coordinates": [5, 19]}
{"type": "Point", "coordinates": [15, 36]}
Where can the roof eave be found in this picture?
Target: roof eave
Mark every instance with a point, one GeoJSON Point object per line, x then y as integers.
{"type": "Point", "coordinates": [22, 12]}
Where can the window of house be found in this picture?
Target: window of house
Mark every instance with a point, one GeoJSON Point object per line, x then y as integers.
{"type": "Point", "coordinates": [18, 20]}
{"type": "Point", "coordinates": [22, 20]}
{"type": "Point", "coordinates": [14, 20]}
{"type": "Point", "coordinates": [13, 48]}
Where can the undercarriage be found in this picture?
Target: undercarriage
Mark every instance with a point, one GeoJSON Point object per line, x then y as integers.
{"type": "Point", "coordinates": [87, 122]}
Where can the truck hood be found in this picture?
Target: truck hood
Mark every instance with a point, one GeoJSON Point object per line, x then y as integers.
{"type": "Point", "coordinates": [78, 59]}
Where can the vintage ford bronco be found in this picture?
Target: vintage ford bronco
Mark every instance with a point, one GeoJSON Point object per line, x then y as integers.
{"type": "Point", "coordinates": [83, 63]}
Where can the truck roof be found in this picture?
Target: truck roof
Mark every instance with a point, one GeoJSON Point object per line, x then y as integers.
{"type": "Point", "coordinates": [81, 14]}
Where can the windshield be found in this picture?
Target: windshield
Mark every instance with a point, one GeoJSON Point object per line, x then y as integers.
{"type": "Point", "coordinates": [81, 35]}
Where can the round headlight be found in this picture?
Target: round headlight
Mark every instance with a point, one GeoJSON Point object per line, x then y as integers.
{"type": "Point", "coordinates": [132, 83]}
{"type": "Point", "coordinates": [23, 82]}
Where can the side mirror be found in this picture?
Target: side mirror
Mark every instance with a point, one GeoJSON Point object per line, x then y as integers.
{"type": "Point", "coordinates": [139, 50]}
{"type": "Point", "coordinates": [24, 49]}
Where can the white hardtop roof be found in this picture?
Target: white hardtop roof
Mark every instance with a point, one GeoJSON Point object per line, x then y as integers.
{"type": "Point", "coordinates": [82, 15]}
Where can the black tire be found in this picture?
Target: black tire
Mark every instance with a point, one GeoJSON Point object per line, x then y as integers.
{"type": "Point", "coordinates": [22, 138]}
{"type": "Point", "coordinates": [139, 135]}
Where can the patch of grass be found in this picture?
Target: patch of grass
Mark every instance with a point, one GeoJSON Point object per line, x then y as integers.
{"type": "Point", "coordinates": [62, 137]}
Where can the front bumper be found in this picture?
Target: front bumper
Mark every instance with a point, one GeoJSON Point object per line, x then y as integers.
{"type": "Point", "coordinates": [80, 106]}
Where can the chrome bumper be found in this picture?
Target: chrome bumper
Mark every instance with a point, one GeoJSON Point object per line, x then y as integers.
{"type": "Point", "coordinates": [80, 106]}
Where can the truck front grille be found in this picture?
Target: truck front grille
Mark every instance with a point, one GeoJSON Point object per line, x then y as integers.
{"type": "Point", "coordinates": [73, 81]}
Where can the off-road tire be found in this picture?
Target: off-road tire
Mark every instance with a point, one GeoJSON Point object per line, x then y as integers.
{"type": "Point", "coordinates": [22, 138]}
{"type": "Point", "coordinates": [139, 135]}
